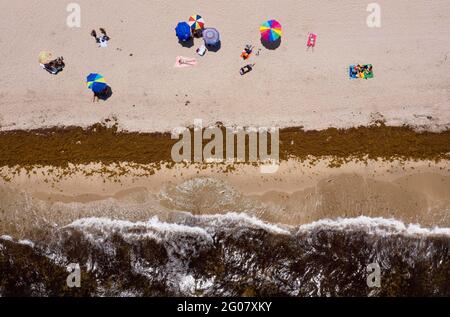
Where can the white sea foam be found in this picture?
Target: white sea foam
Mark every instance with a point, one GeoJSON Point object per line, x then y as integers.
{"type": "Point", "coordinates": [380, 226]}
{"type": "Point", "coordinates": [243, 219]}
{"type": "Point", "coordinates": [6, 237]}
{"type": "Point", "coordinates": [377, 225]}
{"type": "Point", "coordinates": [26, 242]}
{"type": "Point", "coordinates": [106, 225]}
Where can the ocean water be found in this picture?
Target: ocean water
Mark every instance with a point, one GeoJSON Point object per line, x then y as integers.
{"type": "Point", "coordinates": [203, 238]}
{"type": "Point", "coordinates": [228, 255]}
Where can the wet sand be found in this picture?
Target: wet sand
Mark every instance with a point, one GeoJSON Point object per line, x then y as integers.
{"type": "Point", "coordinates": [299, 193]}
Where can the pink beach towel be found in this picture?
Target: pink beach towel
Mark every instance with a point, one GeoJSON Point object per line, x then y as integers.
{"type": "Point", "coordinates": [181, 61]}
{"type": "Point", "coordinates": [311, 40]}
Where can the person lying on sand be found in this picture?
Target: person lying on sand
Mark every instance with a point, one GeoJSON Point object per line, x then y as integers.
{"type": "Point", "coordinates": [102, 40]}
{"type": "Point", "coordinates": [181, 61]}
{"type": "Point", "coordinates": [367, 71]}
{"type": "Point", "coordinates": [246, 69]}
{"type": "Point", "coordinates": [55, 66]}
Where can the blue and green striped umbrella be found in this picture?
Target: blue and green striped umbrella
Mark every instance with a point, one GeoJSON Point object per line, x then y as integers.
{"type": "Point", "coordinates": [94, 78]}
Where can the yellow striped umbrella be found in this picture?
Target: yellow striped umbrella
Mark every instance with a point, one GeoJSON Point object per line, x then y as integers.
{"type": "Point", "coordinates": [45, 57]}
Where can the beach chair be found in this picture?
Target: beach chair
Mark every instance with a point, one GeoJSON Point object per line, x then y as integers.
{"type": "Point", "coordinates": [201, 50]}
{"type": "Point", "coordinates": [312, 38]}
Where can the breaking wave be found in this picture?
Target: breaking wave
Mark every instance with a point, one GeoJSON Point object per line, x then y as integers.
{"type": "Point", "coordinates": [232, 254]}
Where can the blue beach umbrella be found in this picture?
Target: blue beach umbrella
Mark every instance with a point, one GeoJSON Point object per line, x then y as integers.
{"type": "Point", "coordinates": [183, 31]}
{"type": "Point", "coordinates": [98, 87]}
{"type": "Point", "coordinates": [211, 36]}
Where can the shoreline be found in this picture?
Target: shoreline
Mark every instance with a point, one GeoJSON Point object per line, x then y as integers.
{"type": "Point", "coordinates": [58, 175]}
{"type": "Point", "coordinates": [298, 194]}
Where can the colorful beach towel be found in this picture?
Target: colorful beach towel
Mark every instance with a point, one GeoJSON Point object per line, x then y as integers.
{"type": "Point", "coordinates": [361, 71]}
{"type": "Point", "coordinates": [312, 38]}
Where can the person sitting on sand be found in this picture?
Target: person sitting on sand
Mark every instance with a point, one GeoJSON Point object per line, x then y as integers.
{"type": "Point", "coordinates": [247, 52]}
{"type": "Point", "coordinates": [102, 40]}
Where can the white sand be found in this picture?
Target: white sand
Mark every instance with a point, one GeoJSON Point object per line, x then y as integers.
{"type": "Point", "coordinates": [288, 87]}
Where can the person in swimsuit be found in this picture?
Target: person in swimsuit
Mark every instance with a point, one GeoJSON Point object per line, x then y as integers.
{"type": "Point", "coordinates": [102, 40]}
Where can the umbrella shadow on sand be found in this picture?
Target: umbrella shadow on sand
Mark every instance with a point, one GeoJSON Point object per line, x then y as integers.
{"type": "Point", "coordinates": [214, 48]}
{"type": "Point", "coordinates": [105, 94]}
{"type": "Point", "coordinates": [188, 44]}
{"type": "Point", "coordinates": [271, 45]}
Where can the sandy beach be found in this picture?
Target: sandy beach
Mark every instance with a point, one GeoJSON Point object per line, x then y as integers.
{"type": "Point", "coordinates": [288, 87]}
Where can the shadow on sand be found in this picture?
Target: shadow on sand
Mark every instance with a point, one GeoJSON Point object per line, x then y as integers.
{"type": "Point", "coordinates": [214, 48]}
{"type": "Point", "coordinates": [188, 44]}
{"type": "Point", "coordinates": [105, 94]}
{"type": "Point", "coordinates": [271, 45]}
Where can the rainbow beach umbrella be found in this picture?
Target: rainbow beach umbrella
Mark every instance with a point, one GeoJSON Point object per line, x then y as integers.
{"type": "Point", "coordinates": [270, 31]}
{"type": "Point", "coordinates": [96, 82]}
{"type": "Point", "coordinates": [196, 22]}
